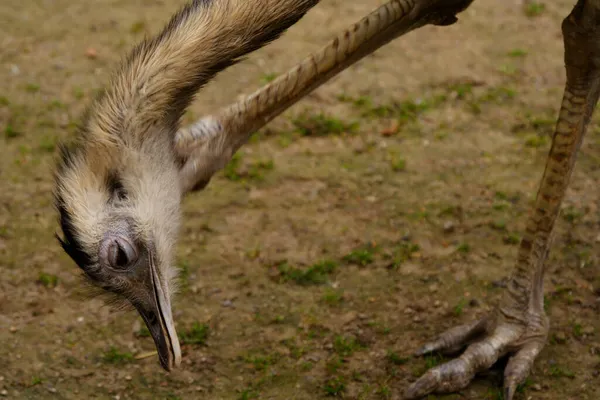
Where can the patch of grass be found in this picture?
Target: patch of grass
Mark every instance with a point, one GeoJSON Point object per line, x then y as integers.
{"type": "Point", "coordinates": [536, 141]}
{"type": "Point", "coordinates": [404, 111]}
{"type": "Point", "coordinates": [334, 365]}
{"type": "Point", "coordinates": [402, 253]}
{"type": "Point", "coordinates": [384, 392]}
{"type": "Point", "coordinates": [345, 346]}
{"type": "Point", "coordinates": [296, 351]}
{"type": "Point", "coordinates": [461, 89]}
{"type": "Point", "coordinates": [534, 8]}
{"type": "Point", "coordinates": [261, 362]}
{"type": "Point", "coordinates": [56, 105]}
{"type": "Point", "coordinates": [577, 330]}
{"type": "Point", "coordinates": [114, 356]}
{"type": "Point", "coordinates": [307, 366]}
{"type": "Point", "coordinates": [78, 93]}
{"type": "Point", "coordinates": [235, 171]}
{"type": "Point", "coordinates": [463, 248]}
{"type": "Point", "coordinates": [542, 124]}
{"type": "Point", "coordinates": [4, 101]}
{"type": "Point", "coordinates": [499, 225]}
{"type": "Point", "coordinates": [395, 359]}
{"type": "Point", "coordinates": [333, 297]}
{"type": "Point", "coordinates": [137, 27]}
{"type": "Point", "coordinates": [459, 307]}
{"type": "Point", "coordinates": [231, 169]}
{"type": "Point", "coordinates": [433, 360]}
{"type": "Point", "coordinates": [248, 394]}
{"type": "Point", "coordinates": [571, 214]}
{"type": "Point", "coordinates": [184, 274]}
{"type": "Point", "coordinates": [32, 88]}
{"type": "Point", "coordinates": [498, 94]}
{"type": "Point", "coordinates": [315, 125]}
{"type": "Point", "coordinates": [524, 386]}
{"type": "Point", "coordinates": [362, 256]}
{"type": "Point", "coordinates": [36, 380]}
{"type": "Point", "coordinates": [285, 139]}
{"type": "Point", "coordinates": [512, 238]}
{"type": "Point", "coordinates": [143, 332]}
{"type": "Point", "coordinates": [10, 132]}
{"type": "Point", "coordinates": [501, 205]}
{"type": "Point", "coordinates": [317, 273]}
{"type": "Point", "coordinates": [508, 69]}
{"type": "Point", "coordinates": [267, 78]}
{"type": "Point", "coordinates": [257, 169]}
{"type": "Point", "coordinates": [335, 386]}
{"type": "Point", "coordinates": [197, 334]}
{"type": "Point", "coordinates": [517, 53]}
{"type": "Point", "coordinates": [561, 372]}
{"type": "Point", "coordinates": [494, 394]}
{"type": "Point", "coordinates": [47, 280]}
{"type": "Point", "coordinates": [397, 163]}
{"type": "Point", "coordinates": [47, 144]}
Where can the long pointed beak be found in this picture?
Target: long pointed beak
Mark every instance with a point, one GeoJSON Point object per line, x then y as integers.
{"type": "Point", "coordinates": [159, 320]}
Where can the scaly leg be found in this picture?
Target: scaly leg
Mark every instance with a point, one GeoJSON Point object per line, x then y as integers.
{"type": "Point", "coordinates": [519, 326]}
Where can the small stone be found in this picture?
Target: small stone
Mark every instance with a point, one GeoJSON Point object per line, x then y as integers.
{"type": "Point", "coordinates": [448, 226]}
{"type": "Point", "coordinates": [391, 129]}
{"type": "Point", "coordinates": [371, 199]}
{"type": "Point", "coordinates": [80, 319]}
{"type": "Point", "coordinates": [433, 288]}
{"type": "Point", "coordinates": [227, 303]}
{"type": "Point", "coordinates": [537, 387]}
{"type": "Point", "coordinates": [14, 69]}
{"type": "Point", "coordinates": [4, 392]}
{"type": "Point", "coordinates": [437, 303]}
{"type": "Point", "coordinates": [51, 389]}
{"type": "Point", "coordinates": [12, 329]}
{"type": "Point", "coordinates": [91, 53]}
{"type": "Point", "coordinates": [128, 378]}
{"type": "Point", "coordinates": [416, 318]}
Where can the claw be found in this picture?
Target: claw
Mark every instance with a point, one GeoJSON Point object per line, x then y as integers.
{"type": "Point", "coordinates": [479, 356]}
{"type": "Point", "coordinates": [519, 366]}
{"type": "Point", "coordinates": [453, 340]}
{"type": "Point", "coordinates": [449, 377]}
{"type": "Point", "coordinates": [509, 392]}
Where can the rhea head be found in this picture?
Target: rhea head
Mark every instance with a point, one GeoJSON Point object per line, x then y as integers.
{"type": "Point", "coordinates": [119, 214]}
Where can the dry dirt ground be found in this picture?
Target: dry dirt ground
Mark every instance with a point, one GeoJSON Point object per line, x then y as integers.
{"type": "Point", "coordinates": [379, 211]}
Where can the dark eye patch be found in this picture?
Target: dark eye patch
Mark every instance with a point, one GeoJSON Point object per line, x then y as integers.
{"type": "Point", "coordinates": [115, 186]}
{"type": "Point", "coordinates": [71, 244]}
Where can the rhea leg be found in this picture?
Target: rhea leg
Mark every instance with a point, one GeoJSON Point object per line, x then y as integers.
{"type": "Point", "coordinates": [519, 326]}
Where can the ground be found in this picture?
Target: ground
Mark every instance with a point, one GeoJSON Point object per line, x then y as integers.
{"type": "Point", "coordinates": [380, 210]}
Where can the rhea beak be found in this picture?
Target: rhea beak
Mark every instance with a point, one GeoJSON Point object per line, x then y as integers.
{"type": "Point", "coordinates": [159, 320]}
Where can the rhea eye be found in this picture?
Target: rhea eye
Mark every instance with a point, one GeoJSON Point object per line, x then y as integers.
{"type": "Point", "coordinates": [120, 253]}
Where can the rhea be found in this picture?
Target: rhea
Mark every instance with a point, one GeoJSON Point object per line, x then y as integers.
{"type": "Point", "coordinates": [119, 187]}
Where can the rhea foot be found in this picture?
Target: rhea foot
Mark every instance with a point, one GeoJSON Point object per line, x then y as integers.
{"type": "Point", "coordinates": [519, 327]}
{"type": "Point", "coordinates": [488, 340]}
